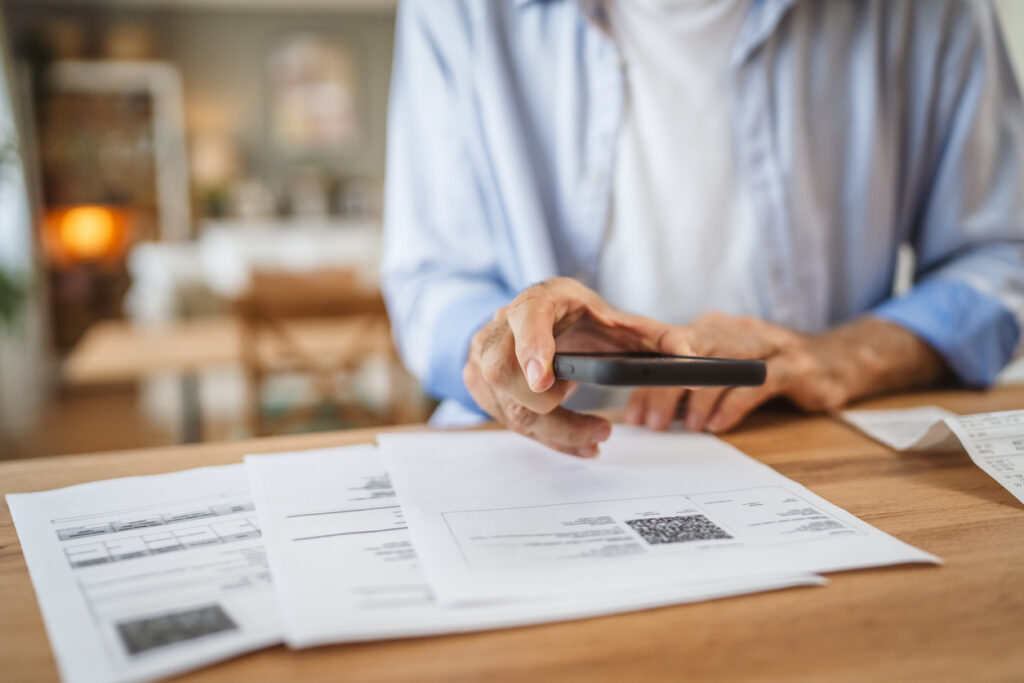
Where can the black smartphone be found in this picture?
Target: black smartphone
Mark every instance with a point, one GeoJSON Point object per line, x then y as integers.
{"type": "Point", "coordinates": [655, 369]}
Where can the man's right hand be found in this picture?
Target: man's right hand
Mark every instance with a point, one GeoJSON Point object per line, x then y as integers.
{"type": "Point", "coordinates": [509, 369]}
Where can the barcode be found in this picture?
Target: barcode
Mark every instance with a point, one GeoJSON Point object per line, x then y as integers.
{"type": "Point", "coordinates": [141, 635]}
{"type": "Point", "coordinates": [677, 529]}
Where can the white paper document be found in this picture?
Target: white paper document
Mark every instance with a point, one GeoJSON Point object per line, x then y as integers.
{"type": "Point", "coordinates": [994, 441]}
{"type": "Point", "coordinates": [345, 569]}
{"type": "Point", "coordinates": [495, 514]}
{"type": "Point", "coordinates": [145, 577]}
{"type": "Point", "coordinates": [905, 429]}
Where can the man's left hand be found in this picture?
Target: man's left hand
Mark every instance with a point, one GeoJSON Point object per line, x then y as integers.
{"type": "Point", "coordinates": [817, 372]}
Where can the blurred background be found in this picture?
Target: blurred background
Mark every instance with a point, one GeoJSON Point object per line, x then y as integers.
{"type": "Point", "coordinates": [190, 208]}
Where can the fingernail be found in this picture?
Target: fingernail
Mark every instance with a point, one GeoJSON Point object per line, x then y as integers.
{"type": "Point", "coordinates": [533, 372]}
{"type": "Point", "coordinates": [692, 423]}
{"type": "Point", "coordinates": [633, 415]}
{"type": "Point", "coordinates": [653, 420]}
{"type": "Point", "coordinates": [587, 452]}
{"type": "Point", "coordinates": [601, 433]}
{"type": "Point", "coordinates": [714, 425]}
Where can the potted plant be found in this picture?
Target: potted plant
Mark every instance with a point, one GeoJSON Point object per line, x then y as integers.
{"type": "Point", "coordinates": [13, 291]}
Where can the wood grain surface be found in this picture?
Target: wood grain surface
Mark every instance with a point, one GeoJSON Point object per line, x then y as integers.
{"type": "Point", "coordinates": [963, 621]}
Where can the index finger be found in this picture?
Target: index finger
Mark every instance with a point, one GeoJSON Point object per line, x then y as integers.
{"type": "Point", "coordinates": [653, 335]}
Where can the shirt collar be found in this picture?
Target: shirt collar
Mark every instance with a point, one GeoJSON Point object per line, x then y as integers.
{"type": "Point", "coordinates": [522, 3]}
{"type": "Point", "coordinates": [761, 22]}
{"type": "Point", "coordinates": [764, 17]}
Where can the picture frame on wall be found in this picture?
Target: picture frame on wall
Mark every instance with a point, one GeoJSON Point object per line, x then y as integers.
{"type": "Point", "coordinates": [316, 108]}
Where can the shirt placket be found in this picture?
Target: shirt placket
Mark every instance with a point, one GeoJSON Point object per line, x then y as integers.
{"type": "Point", "coordinates": [790, 289]}
{"type": "Point", "coordinates": [751, 126]}
{"type": "Point", "coordinates": [607, 93]}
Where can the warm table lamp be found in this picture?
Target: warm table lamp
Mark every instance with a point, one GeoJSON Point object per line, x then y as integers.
{"type": "Point", "coordinates": [93, 234]}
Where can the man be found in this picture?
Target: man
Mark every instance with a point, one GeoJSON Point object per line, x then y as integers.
{"type": "Point", "coordinates": [741, 172]}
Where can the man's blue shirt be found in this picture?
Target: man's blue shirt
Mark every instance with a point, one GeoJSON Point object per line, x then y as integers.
{"type": "Point", "coordinates": [861, 125]}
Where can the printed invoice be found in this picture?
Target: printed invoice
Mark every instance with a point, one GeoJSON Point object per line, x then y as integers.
{"type": "Point", "coordinates": [494, 514]}
{"type": "Point", "coordinates": [994, 441]}
{"type": "Point", "coordinates": [344, 567]}
{"type": "Point", "coordinates": [144, 577]}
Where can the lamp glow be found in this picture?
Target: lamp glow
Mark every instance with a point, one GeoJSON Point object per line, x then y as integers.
{"type": "Point", "coordinates": [88, 233]}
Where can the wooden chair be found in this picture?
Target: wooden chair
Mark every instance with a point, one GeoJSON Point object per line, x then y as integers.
{"type": "Point", "coordinates": [326, 325]}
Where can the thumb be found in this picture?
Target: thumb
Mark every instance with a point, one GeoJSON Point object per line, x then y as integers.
{"type": "Point", "coordinates": [532, 324]}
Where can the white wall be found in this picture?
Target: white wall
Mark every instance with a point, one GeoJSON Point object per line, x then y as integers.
{"type": "Point", "coordinates": [23, 355]}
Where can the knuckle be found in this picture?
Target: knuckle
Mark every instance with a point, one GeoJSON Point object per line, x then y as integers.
{"type": "Point", "coordinates": [492, 369]}
{"type": "Point", "coordinates": [471, 377]}
{"type": "Point", "coordinates": [566, 286]}
{"type": "Point", "coordinates": [477, 342]}
{"type": "Point", "coordinates": [641, 395]}
{"type": "Point", "coordinates": [701, 400]}
{"type": "Point", "coordinates": [520, 419]}
{"type": "Point", "coordinates": [547, 402]}
{"type": "Point", "coordinates": [795, 343]}
{"type": "Point", "coordinates": [492, 333]}
{"type": "Point", "coordinates": [665, 401]}
{"type": "Point", "coordinates": [732, 409]}
{"type": "Point", "coordinates": [824, 396]}
{"type": "Point", "coordinates": [533, 299]}
{"type": "Point", "coordinates": [559, 282]}
{"type": "Point", "coordinates": [542, 288]}
{"type": "Point", "coordinates": [579, 433]}
{"type": "Point", "coordinates": [834, 398]}
{"type": "Point", "coordinates": [803, 363]}
{"type": "Point", "coordinates": [537, 296]}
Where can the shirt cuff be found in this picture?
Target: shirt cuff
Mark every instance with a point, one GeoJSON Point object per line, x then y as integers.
{"type": "Point", "coordinates": [454, 330]}
{"type": "Point", "coordinates": [975, 333]}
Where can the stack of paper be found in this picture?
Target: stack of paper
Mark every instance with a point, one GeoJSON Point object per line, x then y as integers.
{"type": "Point", "coordinates": [994, 441]}
{"type": "Point", "coordinates": [148, 576]}
{"type": "Point", "coordinates": [345, 567]}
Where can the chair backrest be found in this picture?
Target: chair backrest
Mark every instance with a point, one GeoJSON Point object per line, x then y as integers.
{"type": "Point", "coordinates": [277, 295]}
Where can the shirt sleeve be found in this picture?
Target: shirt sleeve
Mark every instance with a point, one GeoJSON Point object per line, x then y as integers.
{"type": "Point", "coordinates": [440, 272]}
{"type": "Point", "coordinates": [968, 298]}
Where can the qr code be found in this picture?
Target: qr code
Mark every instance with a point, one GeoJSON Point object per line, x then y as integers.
{"type": "Point", "coordinates": [142, 635]}
{"type": "Point", "coordinates": [677, 529]}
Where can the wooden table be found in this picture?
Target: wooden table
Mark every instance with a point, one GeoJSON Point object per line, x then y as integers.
{"type": "Point", "coordinates": [960, 622]}
{"type": "Point", "coordinates": [115, 351]}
